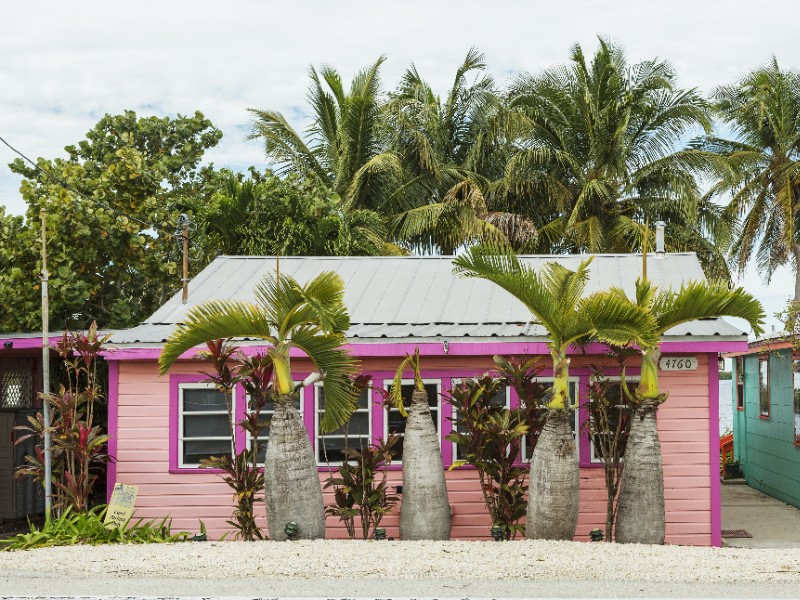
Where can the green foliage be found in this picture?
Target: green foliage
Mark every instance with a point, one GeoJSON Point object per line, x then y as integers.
{"type": "Point", "coordinates": [759, 169]}
{"type": "Point", "coordinates": [360, 488]}
{"type": "Point", "coordinates": [105, 264]}
{"type": "Point", "coordinates": [790, 317]}
{"type": "Point", "coordinates": [78, 450]}
{"type": "Point", "coordinates": [489, 436]}
{"type": "Point", "coordinates": [241, 470]}
{"type": "Point", "coordinates": [86, 527]}
{"type": "Point", "coordinates": [312, 318]}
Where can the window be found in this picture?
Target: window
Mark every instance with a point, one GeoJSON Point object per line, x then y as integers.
{"type": "Point", "coordinates": [501, 398]}
{"type": "Point", "coordinates": [763, 385]}
{"type": "Point", "coordinates": [614, 394]}
{"type": "Point", "coordinates": [203, 425]}
{"type": "Point", "coordinates": [573, 400]}
{"type": "Point", "coordinates": [796, 395]}
{"type": "Point", "coordinates": [266, 415]}
{"type": "Point", "coordinates": [739, 383]}
{"type": "Point", "coordinates": [356, 433]}
{"type": "Point", "coordinates": [396, 423]}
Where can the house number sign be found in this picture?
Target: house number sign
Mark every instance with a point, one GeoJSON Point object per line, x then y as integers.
{"type": "Point", "coordinates": [678, 363]}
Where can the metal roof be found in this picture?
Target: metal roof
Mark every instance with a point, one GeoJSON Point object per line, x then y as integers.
{"type": "Point", "coordinates": [420, 297]}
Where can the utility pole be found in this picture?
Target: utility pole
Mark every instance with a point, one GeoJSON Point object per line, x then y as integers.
{"type": "Point", "coordinates": [48, 462]}
{"type": "Point", "coordinates": [183, 223]}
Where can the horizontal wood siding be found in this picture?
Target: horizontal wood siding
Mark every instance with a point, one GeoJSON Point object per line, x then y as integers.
{"type": "Point", "coordinates": [190, 497]}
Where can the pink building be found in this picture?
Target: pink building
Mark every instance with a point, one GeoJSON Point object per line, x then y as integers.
{"type": "Point", "coordinates": [161, 426]}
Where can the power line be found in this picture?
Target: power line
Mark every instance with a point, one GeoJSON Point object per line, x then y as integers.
{"type": "Point", "coordinates": [68, 187]}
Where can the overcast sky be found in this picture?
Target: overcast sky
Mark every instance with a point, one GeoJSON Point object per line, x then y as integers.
{"type": "Point", "coordinates": [65, 64]}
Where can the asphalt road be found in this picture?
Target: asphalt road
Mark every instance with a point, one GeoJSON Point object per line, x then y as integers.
{"type": "Point", "coordinates": [47, 586]}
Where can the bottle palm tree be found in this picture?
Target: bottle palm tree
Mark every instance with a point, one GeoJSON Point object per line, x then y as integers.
{"type": "Point", "coordinates": [425, 511]}
{"type": "Point", "coordinates": [760, 168]}
{"type": "Point", "coordinates": [313, 319]}
{"type": "Point", "coordinates": [346, 146]}
{"type": "Point", "coordinates": [640, 516]}
{"type": "Point", "coordinates": [595, 157]}
{"type": "Point", "coordinates": [555, 299]}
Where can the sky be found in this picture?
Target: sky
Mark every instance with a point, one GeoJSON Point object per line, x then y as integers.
{"type": "Point", "coordinates": [63, 65]}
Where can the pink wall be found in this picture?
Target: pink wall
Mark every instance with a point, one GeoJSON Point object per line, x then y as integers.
{"type": "Point", "coordinates": [141, 440]}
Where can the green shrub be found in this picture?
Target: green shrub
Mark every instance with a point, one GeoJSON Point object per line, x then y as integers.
{"type": "Point", "coordinates": [87, 527]}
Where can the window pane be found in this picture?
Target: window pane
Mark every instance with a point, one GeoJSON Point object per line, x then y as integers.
{"type": "Point", "coordinates": [362, 401]}
{"type": "Point", "coordinates": [763, 385]}
{"type": "Point", "coordinates": [331, 448]}
{"type": "Point", "coordinates": [203, 400]}
{"type": "Point", "coordinates": [194, 450]}
{"type": "Point", "coordinates": [206, 426]}
{"type": "Point", "coordinates": [357, 425]}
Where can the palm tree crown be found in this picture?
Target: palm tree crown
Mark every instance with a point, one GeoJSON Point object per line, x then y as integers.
{"type": "Point", "coordinates": [312, 318]}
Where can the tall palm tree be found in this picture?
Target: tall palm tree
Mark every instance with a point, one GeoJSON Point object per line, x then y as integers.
{"type": "Point", "coordinates": [555, 300]}
{"type": "Point", "coordinates": [760, 167]}
{"type": "Point", "coordinates": [425, 511]}
{"type": "Point", "coordinates": [596, 159]}
{"type": "Point", "coordinates": [451, 148]}
{"type": "Point", "coordinates": [640, 516]}
{"type": "Point", "coordinates": [311, 318]}
{"type": "Point", "coordinates": [345, 148]}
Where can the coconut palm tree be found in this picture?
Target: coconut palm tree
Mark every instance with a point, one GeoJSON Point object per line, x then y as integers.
{"type": "Point", "coordinates": [555, 300]}
{"type": "Point", "coordinates": [595, 158]}
{"type": "Point", "coordinates": [425, 511]}
{"type": "Point", "coordinates": [760, 167]}
{"type": "Point", "coordinates": [345, 148]}
{"type": "Point", "coordinates": [640, 516]}
{"type": "Point", "coordinates": [313, 319]}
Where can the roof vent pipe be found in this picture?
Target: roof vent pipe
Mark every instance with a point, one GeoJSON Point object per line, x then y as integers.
{"type": "Point", "coordinates": [660, 240]}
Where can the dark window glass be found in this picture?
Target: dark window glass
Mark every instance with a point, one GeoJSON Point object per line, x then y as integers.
{"type": "Point", "coordinates": [205, 427]}
{"type": "Point", "coordinates": [763, 385]}
{"type": "Point", "coordinates": [353, 434]}
{"type": "Point", "coordinates": [396, 423]}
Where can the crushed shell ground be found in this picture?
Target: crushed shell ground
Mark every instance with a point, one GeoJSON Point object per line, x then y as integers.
{"type": "Point", "coordinates": [333, 559]}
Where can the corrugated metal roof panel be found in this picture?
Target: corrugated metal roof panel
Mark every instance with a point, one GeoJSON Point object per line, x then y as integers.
{"type": "Point", "coordinates": [407, 296]}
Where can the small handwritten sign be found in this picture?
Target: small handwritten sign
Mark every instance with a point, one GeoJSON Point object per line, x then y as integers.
{"type": "Point", "coordinates": [678, 363]}
{"type": "Point", "coordinates": [120, 509]}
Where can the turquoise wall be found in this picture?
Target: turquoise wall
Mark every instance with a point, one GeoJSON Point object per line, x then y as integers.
{"type": "Point", "coordinates": [765, 446]}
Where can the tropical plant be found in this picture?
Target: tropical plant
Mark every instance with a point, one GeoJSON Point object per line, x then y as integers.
{"type": "Point", "coordinates": [640, 515]}
{"type": "Point", "coordinates": [313, 319]}
{"type": "Point", "coordinates": [609, 425]}
{"type": "Point", "coordinates": [78, 450]}
{"type": "Point", "coordinates": [345, 148]}
{"type": "Point", "coordinates": [241, 470]}
{"type": "Point", "coordinates": [425, 511]}
{"type": "Point", "coordinates": [555, 300]}
{"type": "Point", "coordinates": [360, 489]}
{"type": "Point", "coordinates": [759, 169]}
{"type": "Point", "coordinates": [489, 437]}
{"type": "Point", "coordinates": [595, 158]}
{"type": "Point", "coordinates": [87, 527]}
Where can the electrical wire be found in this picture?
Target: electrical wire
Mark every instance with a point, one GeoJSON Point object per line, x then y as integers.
{"type": "Point", "coordinates": [68, 187]}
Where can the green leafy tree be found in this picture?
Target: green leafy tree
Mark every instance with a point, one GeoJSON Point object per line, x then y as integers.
{"type": "Point", "coordinates": [759, 168]}
{"type": "Point", "coordinates": [111, 257]}
{"type": "Point", "coordinates": [555, 300]}
{"type": "Point", "coordinates": [596, 157]}
{"type": "Point", "coordinates": [345, 147]}
{"type": "Point", "coordinates": [313, 319]}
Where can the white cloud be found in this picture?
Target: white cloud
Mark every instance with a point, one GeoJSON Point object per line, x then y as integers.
{"type": "Point", "coordinates": [66, 64]}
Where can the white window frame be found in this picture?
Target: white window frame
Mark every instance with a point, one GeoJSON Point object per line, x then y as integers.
{"type": "Point", "coordinates": [575, 415]}
{"type": "Point", "coordinates": [249, 439]}
{"type": "Point", "coordinates": [181, 438]}
{"type": "Point", "coordinates": [317, 435]}
{"type": "Point", "coordinates": [595, 460]}
{"type": "Point", "coordinates": [456, 381]}
{"type": "Point", "coordinates": [387, 383]}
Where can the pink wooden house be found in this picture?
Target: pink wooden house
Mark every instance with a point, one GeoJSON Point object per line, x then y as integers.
{"type": "Point", "coordinates": [161, 426]}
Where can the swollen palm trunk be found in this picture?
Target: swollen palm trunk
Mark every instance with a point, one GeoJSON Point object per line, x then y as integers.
{"type": "Point", "coordinates": [292, 489]}
{"type": "Point", "coordinates": [425, 511]}
{"type": "Point", "coordinates": [640, 516]}
{"type": "Point", "coordinates": [554, 482]}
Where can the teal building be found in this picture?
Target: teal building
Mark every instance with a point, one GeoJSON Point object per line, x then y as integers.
{"type": "Point", "coordinates": [766, 418]}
